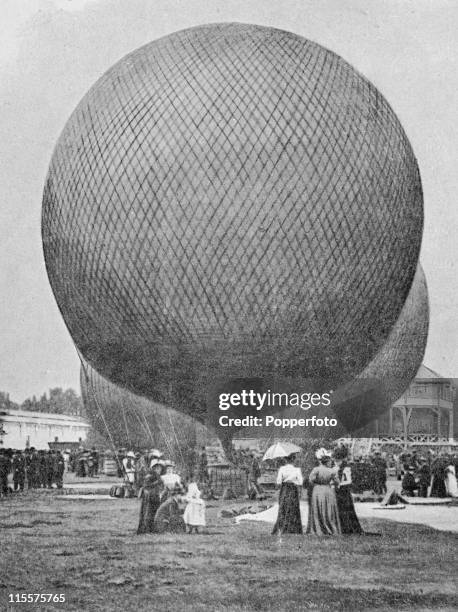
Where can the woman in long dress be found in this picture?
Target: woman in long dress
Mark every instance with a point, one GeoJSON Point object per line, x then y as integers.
{"type": "Point", "coordinates": [349, 522]}
{"type": "Point", "coordinates": [290, 480]}
{"type": "Point", "coordinates": [438, 471]}
{"type": "Point", "coordinates": [150, 495]}
{"type": "Point", "coordinates": [450, 480]}
{"type": "Point", "coordinates": [323, 513]}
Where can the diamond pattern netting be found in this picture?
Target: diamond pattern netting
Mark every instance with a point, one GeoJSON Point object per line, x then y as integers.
{"type": "Point", "coordinates": [231, 199]}
{"type": "Point", "coordinates": [135, 422]}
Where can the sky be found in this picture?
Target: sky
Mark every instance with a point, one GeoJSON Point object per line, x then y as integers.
{"type": "Point", "coordinates": [52, 51]}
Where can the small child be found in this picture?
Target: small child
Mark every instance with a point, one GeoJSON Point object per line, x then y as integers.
{"type": "Point", "coordinates": [194, 514]}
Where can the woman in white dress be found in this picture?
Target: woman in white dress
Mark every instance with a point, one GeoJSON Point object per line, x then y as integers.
{"type": "Point", "coordinates": [450, 481]}
{"type": "Point", "coordinates": [171, 480]}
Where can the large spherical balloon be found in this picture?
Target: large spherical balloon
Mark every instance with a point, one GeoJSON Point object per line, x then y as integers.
{"type": "Point", "coordinates": [231, 200]}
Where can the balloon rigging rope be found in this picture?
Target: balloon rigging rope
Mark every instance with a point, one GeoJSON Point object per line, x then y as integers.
{"type": "Point", "coordinates": [90, 385]}
{"type": "Point", "coordinates": [161, 431]}
{"type": "Point", "coordinates": [170, 417]}
{"type": "Point", "coordinates": [145, 425]}
{"type": "Point", "coordinates": [142, 425]}
{"type": "Point", "coordinates": [176, 438]}
{"type": "Point", "coordinates": [137, 415]}
{"type": "Point", "coordinates": [127, 428]}
{"type": "Point", "coordinates": [140, 414]}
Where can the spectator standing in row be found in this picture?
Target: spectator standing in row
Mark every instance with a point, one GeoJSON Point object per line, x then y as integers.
{"type": "Point", "coordinates": [380, 474]}
{"type": "Point", "coordinates": [424, 478]}
{"type": "Point", "coordinates": [5, 466]}
{"type": "Point", "coordinates": [438, 471]}
{"type": "Point", "coordinates": [18, 467]}
{"type": "Point", "coordinates": [58, 469]}
{"type": "Point", "coordinates": [49, 463]}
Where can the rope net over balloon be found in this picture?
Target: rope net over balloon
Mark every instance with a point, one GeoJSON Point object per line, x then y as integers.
{"type": "Point", "coordinates": [233, 201]}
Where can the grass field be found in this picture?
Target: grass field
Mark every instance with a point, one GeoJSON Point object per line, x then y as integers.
{"type": "Point", "coordinates": [88, 550]}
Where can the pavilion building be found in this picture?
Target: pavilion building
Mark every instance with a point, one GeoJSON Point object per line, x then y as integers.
{"type": "Point", "coordinates": [24, 429]}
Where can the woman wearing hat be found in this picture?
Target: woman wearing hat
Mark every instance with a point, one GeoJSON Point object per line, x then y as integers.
{"type": "Point", "coordinates": [171, 480]}
{"type": "Point", "coordinates": [290, 480]}
{"type": "Point", "coordinates": [349, 522]}
{"type": "Point", "coordinates": [150, 495]}
{"type": "Point", "coordinates": [323, 513]}
{"type": "Point", "coordinates": [154, 455]}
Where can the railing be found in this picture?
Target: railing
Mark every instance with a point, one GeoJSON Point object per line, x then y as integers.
{"type": "Point", "coordinates": [222, 477]}
{"type": "Point", "coordinates": [419, 438]}
{"type": "Point", "coordinates": [364, 446]}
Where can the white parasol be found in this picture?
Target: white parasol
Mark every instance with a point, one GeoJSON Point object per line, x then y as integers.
{"type": "Point", "coordinates": [281, 449]}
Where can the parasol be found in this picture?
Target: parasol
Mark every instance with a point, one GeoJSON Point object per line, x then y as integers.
{"type": "Point", "coordinates": [281, 449]}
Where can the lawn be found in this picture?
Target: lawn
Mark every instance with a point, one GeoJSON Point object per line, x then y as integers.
{"type": "Point", "coordinates": [88, 551]}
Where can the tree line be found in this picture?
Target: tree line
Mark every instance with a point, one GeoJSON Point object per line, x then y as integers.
{"type": "Point", "coordinates": [56, 401]}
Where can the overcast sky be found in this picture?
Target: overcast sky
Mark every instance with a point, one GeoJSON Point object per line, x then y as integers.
{"type": "Point", "coordinates": [52, 51]}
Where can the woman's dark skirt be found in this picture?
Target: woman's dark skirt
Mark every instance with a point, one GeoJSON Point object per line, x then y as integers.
{"type": "Point", "coordinates": [150, 503]}
{"type": "Point", "coordinates": [289, 511]}
{"type": "Point", "coordinates": [438, 486]}
{"type": "Point", "coordinates": [349, 522]}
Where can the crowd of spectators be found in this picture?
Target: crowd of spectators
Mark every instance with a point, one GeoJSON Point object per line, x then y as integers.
{"type": "Point", "coordinates": [33, 468]}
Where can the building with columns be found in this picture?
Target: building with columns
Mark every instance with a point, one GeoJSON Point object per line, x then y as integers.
{"type": "Point", "coordinates": [425, 409]}
{"type": "Point", "coordinates": [425, 416]}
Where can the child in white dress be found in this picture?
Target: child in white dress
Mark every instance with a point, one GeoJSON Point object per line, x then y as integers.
{"type": "Point", "coordinates": [194, 514]}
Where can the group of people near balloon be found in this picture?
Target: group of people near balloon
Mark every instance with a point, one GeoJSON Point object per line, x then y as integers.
{"type": "Point", "coordinates": [331, 508]}
{"type": "Point", "coordinates": [163, 497]}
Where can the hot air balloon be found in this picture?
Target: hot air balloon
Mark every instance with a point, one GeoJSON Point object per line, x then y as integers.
{"type": "Point", "coordinates": [234, 201]}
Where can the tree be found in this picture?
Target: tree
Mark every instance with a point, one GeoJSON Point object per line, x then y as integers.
{"type": "Point", "coordinates": [59, 402]}
{"type": "Point", "coordinates": [6, 403]}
